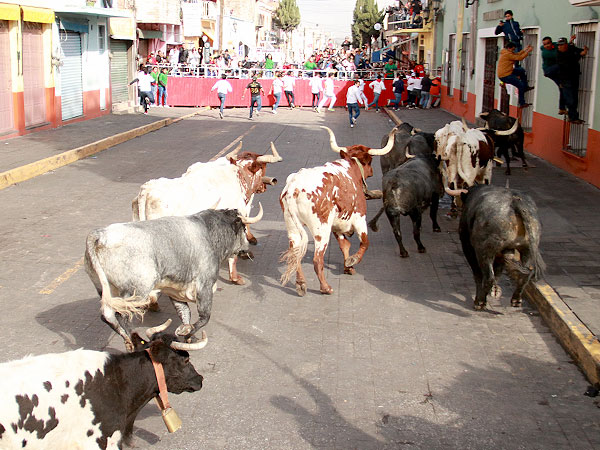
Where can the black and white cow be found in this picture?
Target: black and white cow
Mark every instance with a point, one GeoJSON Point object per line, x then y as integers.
{"type": "Point", "coordinates": [178, 255]}
{"type": "Point", "coordinates": [499, 228]}
{"type": "Point", "coordinates": [411, 188]}
{"type": "Point", "coordinates": [87, 399]}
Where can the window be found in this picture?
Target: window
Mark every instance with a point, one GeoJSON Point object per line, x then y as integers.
{"type": "Point", "coordinates": [530, 37]}
{"type": "Point", "coordinates": [464, 69]}
{"type": "Point", "coordinates": [450, 63]}
{"type": "Point", "coordinates": [101, 38]}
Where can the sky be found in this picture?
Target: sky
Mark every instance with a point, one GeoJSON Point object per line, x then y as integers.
{"type": "Point", "coordinates": [334, 16]}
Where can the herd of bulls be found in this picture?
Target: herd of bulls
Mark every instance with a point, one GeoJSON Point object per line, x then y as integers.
{"type": "Point", "coordinates": [184, 228]}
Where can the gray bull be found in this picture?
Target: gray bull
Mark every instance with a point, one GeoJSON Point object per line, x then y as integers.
{"type": "Point", "coordinates": [499, 228]}
{"type": "Point", "coordinates": [178, 255]}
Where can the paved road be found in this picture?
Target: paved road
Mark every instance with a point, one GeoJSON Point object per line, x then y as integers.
{"type": "Point", "coordinates": [396, 358]}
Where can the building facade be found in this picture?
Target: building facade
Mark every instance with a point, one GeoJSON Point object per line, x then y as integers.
{"type": "Point", "coordinates": [467, 51]}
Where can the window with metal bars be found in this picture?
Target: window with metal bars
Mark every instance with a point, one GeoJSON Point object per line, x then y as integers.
{"type": "Point", "coordinates": [450, 64]}
{"type": "Point", "coordinates": [464, 69]}
{"type": "Point", "coordinates": [530, 37]}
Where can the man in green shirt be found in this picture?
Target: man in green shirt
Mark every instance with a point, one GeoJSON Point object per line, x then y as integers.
{"type": "Point", "coordinates": [549, 52]}
{"type": "Point", "coordinates": [310, 65]}
{"type": "Point", "coordinates": [389, 68]}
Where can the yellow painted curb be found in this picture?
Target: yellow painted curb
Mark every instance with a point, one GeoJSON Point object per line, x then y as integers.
{"type": "Point", "coordinates": [573, 335]}
{"type": "Point", "coordinates": [28, 171]}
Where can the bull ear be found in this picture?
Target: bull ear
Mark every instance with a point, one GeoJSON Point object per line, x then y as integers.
{"type": "Point", "coordinates": [160, 351]}
{"type": "Point", "coordinates": [343, 154]}
{"type": "Point", "coordinates": [139, 342]}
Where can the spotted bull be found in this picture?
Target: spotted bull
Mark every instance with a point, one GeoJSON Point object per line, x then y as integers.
{"type": "Point", "coordinates": [87, 399]}
{"type": "Point", "coordinates": [325, 199]}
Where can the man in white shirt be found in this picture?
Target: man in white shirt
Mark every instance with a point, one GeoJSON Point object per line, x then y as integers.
{"type": "Point", "coordinates": [288, 88]}
{"type": "Point", "coordinates": [361, 86]}
{"type": "Point", "coordinates": [353, 98]}
{"type": "Point", "coordinates": [223, 87]}
{"type": "Point", "coordinates": [316, 87]}
{"type": "Point", "coordinates": [145, 82]}
{"type": "Point", "coordinates": [410, 88]}
{"type": "Point", "coordinates": [328, 93]}
{"type": "Point", "coordinates": [277, 89]}
{"type": "Point", "coordinates": [377, 86]}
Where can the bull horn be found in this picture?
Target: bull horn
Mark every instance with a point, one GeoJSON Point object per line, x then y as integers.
{"type": "Point", "coordinates": [270, 158]}
{"type": "Point", "coordinates": [484, 114]}
{"type": "Point", "coordinates": [251, 220]}
{"type": "Point", "coordinates": [192, 345]}
{"type": "Point", "coordinates": [407, 153]}
{"type": "Point", "coordinates": [388, 147]}
{"type": "Point", "coordinates": [215, 204]}
{"type": "Point", "coordinates": [269, 180]}
{"type": "Point", "coordinates": [232, 154]}
{"type": "Point", "coordinates": [157, 329]}
{"type": "Point", "coordinates": [455, 192]}
{"type": "Point", "coordinates": [512, 130]}
{"type": "Point", "coordinates": [464, 124]}
{"type": "Point", "coordinates": [332, 141]}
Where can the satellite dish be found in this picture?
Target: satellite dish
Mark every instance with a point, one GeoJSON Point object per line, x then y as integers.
{"type": "Point", "coordinates": [377, 26]}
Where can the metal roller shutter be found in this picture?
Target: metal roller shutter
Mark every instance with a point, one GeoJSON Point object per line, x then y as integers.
{"type": "Point", "coordinates": [70, 76]}
{"type": "Point", "coordinates": [118, 71]}
{"type": "Point", "coordinates": [6, 112]}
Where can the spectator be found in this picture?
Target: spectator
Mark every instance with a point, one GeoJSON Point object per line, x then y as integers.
{"type": "Point", "coordinates": [568, 72]}
{"type": "Point", "coordinates": [194, 58]}
{"type": "Point", "coordinates": [425, 88]}
{"type": "Point", "coordinates": [389, 68]}
{"type": "Point", "coordinates": [316, 87]}
{"type": "Point", "coordinates": [227, 58]}
{"type": "Point", "coordinates": [255, 92]}
{"type": "Point", "coordinates": [361, 87]}
{"type": "Point", "coordinates": [353, 98]}
{"type": "Point", "coordinates": [417, 89]}
{"type": "Point", "coordinates": [160, 57]}
{"type": "Point", "coordinates": [162, 88]}
{"type": "Point", "coordinates": [328, 93]}
{"type": "Point", "coordinates": [550, 67]}
{"type": "Point", "coordinates": [377, 86]}
{"type": "Point", "coordinates": [183, 55]}
{"type": "Point", "coordinates": [435, 92]}
{"type": "Point", "coordinates": [417, 22]}
{"type": "Point", "coordinates": [398, 86]}
{"type": "Point", "coordinates": [223, 87]}
{"type": "Point", "coordinates": [276, 90]}
{"type": "Point", "coordinates": [510, 73]}
{"type": "Point", "coordinates": [269, 65]}
{"type": "Point", "coordinates": [288, 88]}
{"type": "Point", "coordinates": [410, 88]}
{"type": "Point", "coordinates": [346, 44]}
{"type": "Point", "coordinates": [174, 56]}
{"type": "Point", "coordinates": [511, 29]}
{"type": "Point", "coordinates": [151, 60]}
{"type": "Point", "coordinates": [310, 65]}
{"type": "Point", "coordinates": [154, 74]}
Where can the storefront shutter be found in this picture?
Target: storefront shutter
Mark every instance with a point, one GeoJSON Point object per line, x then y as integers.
{"type": "Point", "coordinates": [118, 71]}
{"type": "Point", "coordinates": [70, 76]}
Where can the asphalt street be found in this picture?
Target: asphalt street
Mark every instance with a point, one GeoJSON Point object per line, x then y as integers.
{"type": "Point", "coordinates": [395, 358]}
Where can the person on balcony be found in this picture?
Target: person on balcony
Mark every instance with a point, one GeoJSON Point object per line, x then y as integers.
{"type": "Point", "coordinates": [510, 73]}
{"type": "Point", "coordinates": [511, 29]}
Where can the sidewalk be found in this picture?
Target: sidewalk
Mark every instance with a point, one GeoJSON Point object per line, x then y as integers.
{"type": "Point", "coordinates": [570, 238]}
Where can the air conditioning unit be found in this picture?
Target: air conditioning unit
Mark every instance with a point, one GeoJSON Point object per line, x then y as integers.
{"type": "Point", "coordinates": [585, 2]}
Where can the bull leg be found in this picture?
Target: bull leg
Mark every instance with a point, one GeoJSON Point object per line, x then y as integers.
{"type": "Point", "coordinates": [345, 248]}
{"type": "Point", "coordinates": [234, 277]}
{"type": "Point", "coordinates": [485, 286]}
{"type": "Point", "coordinates": [373, 222]}
{"type": "Point", "coordinates": [471, 257]}
{"type": "Point", "coordinates": [251, 239]}
{"type": "Point", "coordinates": [361, 231]}
{"type": "Point", "coordinates": [433, 210]}
{"type": "Point", "coordinates": [204, 300]}
{"type": "Point", "coordinates": [520, 274]}
{"type": "Point", "coordinates": [395, 223]}
{"type": "Point", "coordinates": [321, 243]}
{"type": "Point", "coordinates": [415, 216]}
{"type": "Point", "coordinates": [507, 158]}
{"type": "Point", "coordinates": [119, 324]}
{"type": "Point", "coordinates": [185, 315]}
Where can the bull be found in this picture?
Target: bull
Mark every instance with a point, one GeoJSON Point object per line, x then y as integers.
{"type": "Point", "coordinates": [411, 188]}
{"type": "Point", "coordinates": [497, 120]}
{"type": "Point", "coordinates": [325, 199]}
{"type": "Point", "coordinates": [227, 183]}
{"type": "Point", "coordinates": [500, 229]}
{"type": "Point", "coordinates": [176, 255]}
{"type": "Point", "coordinates": [404, 133]}
{"type": "Point", "coordinates": [90, 399]}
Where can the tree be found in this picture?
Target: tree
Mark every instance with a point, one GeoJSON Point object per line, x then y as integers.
{"type": "Point", "coordinates": [366, 14]}
{"type": "Point", "coordinates": [287, 17]}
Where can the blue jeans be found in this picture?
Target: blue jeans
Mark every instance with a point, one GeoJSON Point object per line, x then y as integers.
{"type": "Point", "coordinates": [374, 102]}
{"type": "Point", "coordinates": [552, 73]}
{"type": "Point", "coordinates": [162, 95]}
{"type": "Point", "coordinates": [315, 99]}
{"type": "Point", "coordinates": [517, 78]}
{"type": "Point", "coordinates": [277, 99]}
{"type": "Point", "coordinates": [424, 99]}
{"type": "Point", "coordinates": [222, 98]}
{"type": "Point", "coordinates": [397, 100]}
{"type": "Point", "coordinates": [258, 102]}
{"type": "Point", "coordinates": [570, 89]}
{"type": "Point", "coordinates": [353, 107]}
{"type": "Point", "coordinates": [288, 95]}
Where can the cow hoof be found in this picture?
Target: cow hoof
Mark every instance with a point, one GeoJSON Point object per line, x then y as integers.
{"type": "Point", "coordinates": [478, 306]}
{"type": "Point", "coordinates": [246, 254]}
{"type": "Point", "coordinates": [373, 226]}
{"type": "Point", "coordinates": [351, 261]}
{"type": "Point", "coordinates": [437, 230]}
{"type": "Point", "coordinates": [239, 281]}
{"type": "Point", "coordinates": [516, 302]}
{"type": "Point", "coordinates": [184, 330]}
{"type": "Point", "coordinates": [301, 289]}
{"type": "Point", "coordinates": [422, 250]}
{"type": "Point", "coordinates": [496, 291]}
{"type": "Point", "coordinates": [404, 254]}
{"type": "Point", "coordinates": [252, 241]}
{"type": "Point", "coordinates": [327, 291]}
{"type": "Point", "coordinates": [154, 307]}
{"type": "Point", "coordinates": [349, 270]}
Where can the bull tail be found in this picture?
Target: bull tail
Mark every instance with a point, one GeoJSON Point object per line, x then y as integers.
{"type": "Point", "coordinates": [532, 227]}
{"type": "Point", "coordinates": [293, 256]}
{"type": "Point", "coordinates": [126, 306]}
{"type": "Point", "coordinates": [373, 222]}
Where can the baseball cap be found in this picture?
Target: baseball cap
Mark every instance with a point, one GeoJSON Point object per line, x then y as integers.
{"type": "Point", "coordinates": [562, 40]}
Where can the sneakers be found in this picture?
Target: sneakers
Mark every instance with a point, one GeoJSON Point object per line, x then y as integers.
{"type": "Point", "coordinates": [318, 110]}
{"type": "Point", "coordinates": [366, 107]}
{"type": "Point", "coordinates": [351, 125]}
{"type": "Point", "coordinates": [257, 113]}
{"type": "Point", "coordinates": [250, 118]}
{"type": "Point", "coordinates": [353, 120]}
{"type": "Point", "coordinates": [388, 102]}
{"type": "Point", "coordinates": [220, 114]}
{"type": "Point", "coordinates": [274, 111]}
{"type": "Point", "coordinates": [330, 109]}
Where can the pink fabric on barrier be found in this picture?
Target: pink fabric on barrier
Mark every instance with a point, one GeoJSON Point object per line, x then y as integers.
{"type": "Point", "coordinates": [192, 91]}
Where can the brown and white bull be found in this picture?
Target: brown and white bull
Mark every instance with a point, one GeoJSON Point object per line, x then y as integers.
{"type": "Point", "coordinates": [229, 182]}
{"type": "Point", "coordinates": [325, 199]}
